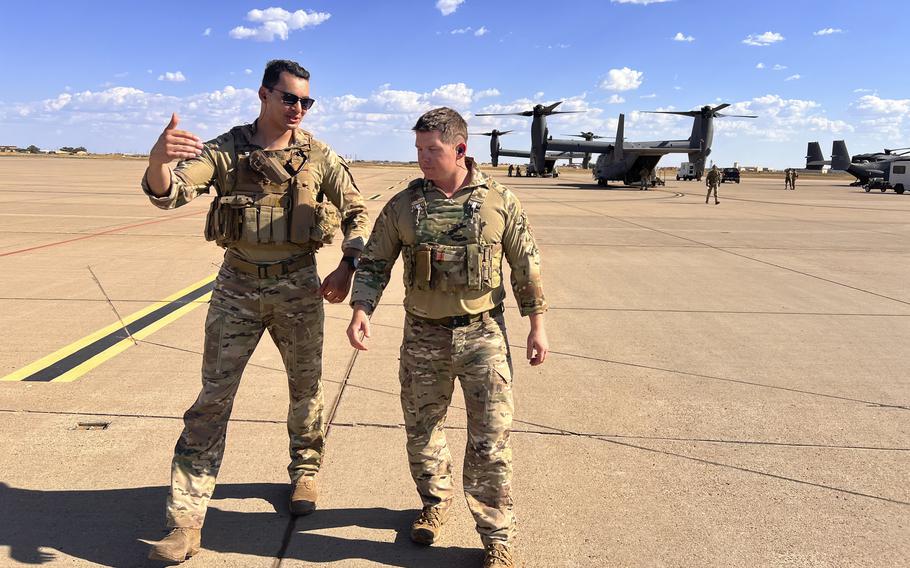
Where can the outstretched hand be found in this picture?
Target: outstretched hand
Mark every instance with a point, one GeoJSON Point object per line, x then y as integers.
{"type": "Point", "coordinates": [175, 144]}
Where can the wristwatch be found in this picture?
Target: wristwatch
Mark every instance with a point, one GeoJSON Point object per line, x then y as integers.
{"type": "Point", "coordinates": [352, 261]}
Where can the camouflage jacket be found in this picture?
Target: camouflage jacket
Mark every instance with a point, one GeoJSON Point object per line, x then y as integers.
{"type": "Point", "coordinates": [215, 168]}
{"type": "Point", "coordinates": [503, 222]}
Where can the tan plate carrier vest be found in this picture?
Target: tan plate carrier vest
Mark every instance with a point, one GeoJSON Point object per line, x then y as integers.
{"type": "Point", "coordinates": [449, 254]}
{"type": "Point", "coordinates": [263, 202]}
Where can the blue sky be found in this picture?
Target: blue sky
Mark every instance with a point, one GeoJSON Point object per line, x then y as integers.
{"type": "Point", "coordinates": [107, 76]}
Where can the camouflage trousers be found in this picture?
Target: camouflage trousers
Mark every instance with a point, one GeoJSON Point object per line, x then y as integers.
{"type": "Point", "coordinates": [478, 354]}
{"type": "Point", "coordinates": [711, 187]}
{"type": "Point", "coordinates": [242, 307]}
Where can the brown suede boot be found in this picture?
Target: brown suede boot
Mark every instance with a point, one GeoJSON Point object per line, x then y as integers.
{"type": "Point", "coordinates": [498, 555]}
{"type": "Point", "coordinates": [426, 527]}
{"type": "Point", "coordinates": [303, 496]}
{"type": "Point", "coordinates": [179, 545]}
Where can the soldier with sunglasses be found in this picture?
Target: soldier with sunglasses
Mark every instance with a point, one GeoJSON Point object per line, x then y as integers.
{"type": "Point", "coordinates": [279, 195]}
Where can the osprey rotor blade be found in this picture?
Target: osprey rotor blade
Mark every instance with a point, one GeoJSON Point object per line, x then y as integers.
{"type": "Point", "coordinates": [550, 108]}
{"type": "Point", "coordinates": [736, 115]}
{"type": "Point", "coordinates": [525, 113]}
{"type": "Point", "coordinates": [677, 112]}
{"type": "Point", "coordinates": [720, 107]}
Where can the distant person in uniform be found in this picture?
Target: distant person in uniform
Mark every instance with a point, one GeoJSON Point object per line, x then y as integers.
{"type": "Point", "coordinates": [454, 227]}
{"type": "Point", "coordinates": [787, 178]}
{"type": "Point", "coordinates": [793, 176]}
{"type": "Point", "coordinates": [510, 170]}
{"type": "Point", "coordinates": [645, 175]}
{"type": "Point", "coordinates": [518, 171]}
{"type": "Point", "coordinates": [712, 180]}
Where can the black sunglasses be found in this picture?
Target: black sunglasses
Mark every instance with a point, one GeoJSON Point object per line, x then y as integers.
{"type": "Point", "coordinates": [290, 99]}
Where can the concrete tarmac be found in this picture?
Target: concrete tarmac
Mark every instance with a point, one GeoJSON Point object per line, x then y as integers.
{"type": "Point", "coordinates": [728, 385]}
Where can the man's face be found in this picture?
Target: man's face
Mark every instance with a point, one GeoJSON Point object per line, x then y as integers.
{"type": "Point", "coordinates": [277, 111]}
{"type": "Point", "coordinates": [437, 159]}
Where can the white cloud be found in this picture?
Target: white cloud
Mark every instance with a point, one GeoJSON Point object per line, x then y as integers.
{"type": "Point", "coordinates": [559, 46]}
{"type": "Point", "coordinates": [649, 96]}
{"type": "Point", "coordinates": [795, 77]}
{"type": "Point", "coordinates": [764, 39]}
{"type": "Point", "coordinates": [129, 119]}
{"type": "Point", "coordinates": [616, 99]}
{"type": "Point", "coordinates": [624, 79]}
{"type": "Point", "coordinates": [481, 31]}
{"type": "Point", "coordinates": [779, 120]}
{"type": "Point", "coordinates": [247, 71]}
{"type": "Point", "coordinates": [486, 93]}
{"type": "Point", "coordinates": [682, 37]}
{"type": "Point", "coordinates": [447, 7]}
{"type": "Point", "coordinates": [863, 91]}
{"type": "Point", "coordinates": [875, 105]}
{"type": "Point", "coordinates": [453, 94]}
{"type": "Point", "coordinates": [460, 31]}
{"type": "Point", "coordinates": [760, 65]}
{"type": "Point", "coordinates": [828, 31]}
{"type": "Point", "coordinates": [348, 103]}
{"type": "Point", "coordinates": [207, 32]}
{"type": "Point", "coordinates": [779, 67]}
{"type": "Point", "coordinates": [175, 77]}
{"type": "Point", "coordinates": [640, 2]}
{"type": "Point", "coordinates": [277, 23]}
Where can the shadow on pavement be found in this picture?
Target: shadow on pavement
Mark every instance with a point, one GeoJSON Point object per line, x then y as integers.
{"type": "Point", "coordinates": [104, 527]}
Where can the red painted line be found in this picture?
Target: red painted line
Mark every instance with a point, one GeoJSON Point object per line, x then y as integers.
{"type": "Point", "coordinates": [107, 232]}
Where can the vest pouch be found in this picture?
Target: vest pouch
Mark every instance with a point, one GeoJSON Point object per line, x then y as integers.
{"type": "Point", "coordinates": [475, 266]}
{"type": "Point", "coordinates": [224, 221]}
{"type": "Point", "coordinates": [303, 212]}
{"type": "Point", "coordinates": [279, 227]}
{"type": "Point", "coordinates": [449, 270]}
{"type": "Point", "coordinates": [250, 225]}
{"type": "Point", "coordinates": [269, 166]}
{"type": "Point", "coordinates": [421, 269]}
{"type": "Point", "coordinates": [264, 230]}
{"type": "Point", "coordinates": [327, 221]}
{"type": "Point", "coordinates": [212, 222]}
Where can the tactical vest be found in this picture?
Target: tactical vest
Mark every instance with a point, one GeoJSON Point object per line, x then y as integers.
{"type": "Point", "coordinates": [266, 200]}
{"type": "Point", "coordinates": [450, 254]}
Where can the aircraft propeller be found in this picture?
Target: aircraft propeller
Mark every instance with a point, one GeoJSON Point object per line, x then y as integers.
{"type": "Point", "coordinates": [586, 135]}
{"type": "Point", "coordinates": [493, 132]}
{"type": "Point", "coordinates": [538, 110]}
{"type": "Point", "coordinates": [704, 111]}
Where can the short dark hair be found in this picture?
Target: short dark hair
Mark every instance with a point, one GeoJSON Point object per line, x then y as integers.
{"type": "Point", "coordinates": [275, 67]}
{"type": "Point", "coordinates": [444, 120]}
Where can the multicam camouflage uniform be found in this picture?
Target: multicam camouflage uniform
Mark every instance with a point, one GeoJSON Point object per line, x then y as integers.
{"type": "Point", "coordinates": [453, 250]}
{"type": "Point", "coordinates": [712, 180]}
{"type": "Point", "coordinates": [270, 215]}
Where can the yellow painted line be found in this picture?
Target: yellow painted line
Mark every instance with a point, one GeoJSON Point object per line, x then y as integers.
{"type": "Point", "coordinates": [43, 369]}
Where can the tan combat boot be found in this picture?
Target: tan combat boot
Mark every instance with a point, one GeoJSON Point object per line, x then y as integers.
{"type": "Point", "coordinates": [498, 555]}
{"type": "Point", "coordinates": [426, 527]}
{"type": "Point", "coordinates": [179, 545]}
{"type": "Point", "coordinates": [303, 496]}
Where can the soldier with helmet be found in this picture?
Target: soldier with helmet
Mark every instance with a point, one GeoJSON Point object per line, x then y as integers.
{"type": "Point", "coordinates": [280, 195]}
{"type": "Point", "coordinates": [453, 227]}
